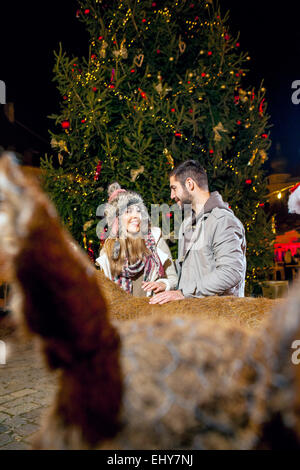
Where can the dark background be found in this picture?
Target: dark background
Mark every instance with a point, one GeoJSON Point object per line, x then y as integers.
{"type": "Point", "coordinates": [30, 31]}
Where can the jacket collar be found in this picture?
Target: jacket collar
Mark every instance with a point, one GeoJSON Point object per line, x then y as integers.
{"type": "Point", "coordinates": [197, 236]}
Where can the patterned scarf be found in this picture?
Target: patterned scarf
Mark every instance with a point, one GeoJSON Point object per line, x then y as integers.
{"type": "Point", "coordinates": [149, 264]}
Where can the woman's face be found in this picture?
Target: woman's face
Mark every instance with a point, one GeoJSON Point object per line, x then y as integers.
{"type": "Point", "coordinates": [131, 220]}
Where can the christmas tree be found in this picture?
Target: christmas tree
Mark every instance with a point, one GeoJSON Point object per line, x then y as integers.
{"type": "Point", "coordinates": [164, 81]}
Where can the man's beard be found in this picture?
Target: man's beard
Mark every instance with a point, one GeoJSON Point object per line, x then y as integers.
{"type": "Point", "coordinates": [186, 198]}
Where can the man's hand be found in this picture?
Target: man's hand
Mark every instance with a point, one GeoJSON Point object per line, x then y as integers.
{"type": "Point", "coordinates": [154, 286]}
{"type": "Point", "coordinates": [165, 297]}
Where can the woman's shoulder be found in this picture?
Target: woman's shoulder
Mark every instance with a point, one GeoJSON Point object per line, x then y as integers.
{"type": "Point", "coordinates": [156, 232]}
{"type": "Point", "coordinates": [102, 258]}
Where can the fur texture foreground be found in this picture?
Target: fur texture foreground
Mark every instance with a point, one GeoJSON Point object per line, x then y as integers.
{"type": "Point", "coordinates": [244, 311]}
{"type": "Point", "coordinates": [168, 378]}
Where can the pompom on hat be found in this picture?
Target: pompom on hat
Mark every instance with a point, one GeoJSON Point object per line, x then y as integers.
{"type": "Point", "coordinates": [294, 201]}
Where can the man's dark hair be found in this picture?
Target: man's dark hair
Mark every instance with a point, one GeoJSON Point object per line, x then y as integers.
{"type": "Point", "coordinates": [191, 169]}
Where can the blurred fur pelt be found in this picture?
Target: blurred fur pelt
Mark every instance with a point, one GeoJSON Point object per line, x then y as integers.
{"type": "Point", "coordinates": [190, 374]}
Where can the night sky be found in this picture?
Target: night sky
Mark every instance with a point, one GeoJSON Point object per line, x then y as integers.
{"type": "Point", "coordinates": [30, 31]}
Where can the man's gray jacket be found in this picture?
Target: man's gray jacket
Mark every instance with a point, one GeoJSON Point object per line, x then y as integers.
{"type": "Point", "coordinates": [212, 257]}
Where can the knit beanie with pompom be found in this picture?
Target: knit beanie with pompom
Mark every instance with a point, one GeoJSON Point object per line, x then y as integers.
{"type": "Point", "coordinates": [118, 201]}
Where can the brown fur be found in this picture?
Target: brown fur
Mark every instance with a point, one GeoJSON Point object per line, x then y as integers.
{"type": "Point", "coordinates": [169, 376]}
{"type": "Point", "coordinates": [245, 311]}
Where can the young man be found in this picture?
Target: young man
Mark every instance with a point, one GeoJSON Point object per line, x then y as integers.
{"type": "Point", "coordinates": [212, 244]}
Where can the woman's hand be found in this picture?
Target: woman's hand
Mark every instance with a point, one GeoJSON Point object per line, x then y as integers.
{"type": "Point", "coordinates": [154, 286]}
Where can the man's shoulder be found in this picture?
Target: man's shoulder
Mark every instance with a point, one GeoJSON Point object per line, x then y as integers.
{"type": "Point", "coordinates": [219, 213]}
{"type": "Point", "coordinates": [224, 216]}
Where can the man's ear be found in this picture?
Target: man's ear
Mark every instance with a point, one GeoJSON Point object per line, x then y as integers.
{"type": "Point", "coordinates": [189, 184]}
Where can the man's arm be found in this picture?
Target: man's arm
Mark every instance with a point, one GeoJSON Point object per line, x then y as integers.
{"type": "Point", "coordinates": [228, 248]}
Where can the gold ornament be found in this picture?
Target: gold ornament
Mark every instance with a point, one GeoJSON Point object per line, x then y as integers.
{"type": "Point", "coordinates": [60, 158]}
{"type": "Point", "coordinates": [243, 95]}
{"type": "Point", "coordinates": [54, 143]}
{"type": "Point", "coordinates": [138, 60]}
{"type": "Point", "coordinates": [123, 53]}
{"type": "Point", "coordinates": [159, 88]}
{"type": "Point", "coordinates": [263, 155]}
{"type": "Point", "coordinates": [84, 241]}
{"type": "Point", "coordinates": [181, 45]}
{"type": "Point", "coordinates": [251, 161]}
{"type": "Point", "coordinates": [135, 173]}
{"type": "Point", "coordinates": [87, 225]}
{"type": "Point", "coordinates": [61, 144]}
{"type": "Point", "coordinates": [217, 129]}
{"type": "Point", "coordinates": [169, 157]}
{"type": "Point", "coordinates": [103, 49]}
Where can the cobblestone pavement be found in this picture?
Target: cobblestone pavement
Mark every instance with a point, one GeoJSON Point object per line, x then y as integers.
{"type": "Point", "coordinates": [26, 389]}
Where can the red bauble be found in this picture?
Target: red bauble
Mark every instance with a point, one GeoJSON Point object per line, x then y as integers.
{"type": "Point", "coordinates": [178, 134]}
{"type": "Point", "coordinates": [65, 124]}
{"type": "Point", "coordinates": [173, 110]}
{"type": "Point", "coordinates": [248, 181]}
{"type": "Point", "coordinates": [238, 123]}
{"type": "Point", "coordinates": [144, 20]}
{"type": "Point", "coordinates": [211, 152]}
{"type": "Point", "coordinates": [86, 11]}
{"type": "Point", "coordinates": [264, 136]}
{"type": "Point", "coordinates": [94, 89]}
{"type": "Point", "coordinates": [158, 51]}
{"type": "Point", "coordinates": [98, 171]}
{"type": "Point", "coordinates": [90, 252]}
{"type": "Point", "coordinates": [261, 107]}
{"type": "Point", "coordinates": [209, 53]}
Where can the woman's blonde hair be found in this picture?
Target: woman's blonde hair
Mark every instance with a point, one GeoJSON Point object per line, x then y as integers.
{"type": "Point", "coordinates": [132, 248]}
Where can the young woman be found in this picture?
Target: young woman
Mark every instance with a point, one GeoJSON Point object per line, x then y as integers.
{"type": "Point", "coordinates": [134, 255]}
